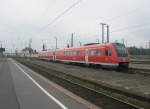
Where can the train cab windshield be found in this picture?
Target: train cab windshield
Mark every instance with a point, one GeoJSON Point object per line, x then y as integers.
{"type": "Point", "coordinates": [120, 49]}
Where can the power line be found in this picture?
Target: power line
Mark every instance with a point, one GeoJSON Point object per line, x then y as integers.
{"type": "Point", "coordinates": [60, 15]}
{"type": "Point", "coordinates": [133, 27]}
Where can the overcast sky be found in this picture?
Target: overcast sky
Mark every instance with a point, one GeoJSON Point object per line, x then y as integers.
{"type": "Point", "coordinates": [21, 20]}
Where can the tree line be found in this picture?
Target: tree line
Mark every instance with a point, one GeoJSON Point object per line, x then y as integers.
{"type": "Point", "coordinates": [138, 51]}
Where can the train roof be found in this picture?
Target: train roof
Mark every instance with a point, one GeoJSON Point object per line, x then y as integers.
{"type": "Point", "coordinates": [84, 46]}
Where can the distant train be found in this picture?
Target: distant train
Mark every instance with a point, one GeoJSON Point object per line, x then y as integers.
{"type": "Point", "coordinates": [106, 54]}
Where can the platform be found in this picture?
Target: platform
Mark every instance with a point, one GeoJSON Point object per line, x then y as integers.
{"type": "Point", "coordinates": [21, 88]}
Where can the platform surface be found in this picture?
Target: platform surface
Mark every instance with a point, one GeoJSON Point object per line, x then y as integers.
{"type": "Point", "coordinates": [21, 88]}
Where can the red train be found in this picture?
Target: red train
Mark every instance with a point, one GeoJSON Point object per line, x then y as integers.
{"type": "Point", "coordinates": [107, 54]}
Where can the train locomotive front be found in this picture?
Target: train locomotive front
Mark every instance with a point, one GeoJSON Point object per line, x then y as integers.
{"type": "Point", "coordinates": [121, 55]}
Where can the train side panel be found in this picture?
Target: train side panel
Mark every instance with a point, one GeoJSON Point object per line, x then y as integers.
{"type": "Point", "coordinates": [103, 54]}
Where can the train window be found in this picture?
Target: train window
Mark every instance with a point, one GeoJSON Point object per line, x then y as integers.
{"type": "Point", "coordinates": [107, 52]}
{"type": "Point", "coordinates": [78, 53]}
{"type": "Point", "coordinates": [70, 54]}
{"type": "Point", "coordinates": [73, 53]}
{"type": "Point", "coordinates": [93, 52]}
{"type": "Point", "coordinates": [64, 53]}
{"type": "Point", "coordinates": [67, 53]}
{"type": "Point", "coordinates": [121, 50]}
{"type": "Point", "coordinates": [98, 52]}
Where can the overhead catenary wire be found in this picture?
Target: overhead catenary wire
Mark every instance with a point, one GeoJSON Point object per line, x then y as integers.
{"type": "Point", "coordinates": [60, 15]}
{"type": "Point", "coordinates": [125, 15]}
{"type": "Point", "coordinates": [76, 3]}
{"type": "Point", "coordinates": [111, 19]}
{"type": "Point", "coordinates": [133, 27]}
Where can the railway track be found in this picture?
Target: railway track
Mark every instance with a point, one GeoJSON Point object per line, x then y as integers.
{"type": "Point", "coordinates": [132, 70]}
{"type": "Point", "coordinates": [141, 71]}
{"type": "Point", "coordinates": [140, 61]}
{"type": "Point", "coordinates": [102, 96]}
{"type": "Point", "coordinates": [145, 72]}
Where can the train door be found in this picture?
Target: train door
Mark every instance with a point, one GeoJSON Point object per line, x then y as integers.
{"type": "Point", "coordinates": [86, 55]}
{"type": "Point", "coordinates": [107, 55]}
{"type": "Point", "coordinates": [54, 56]}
